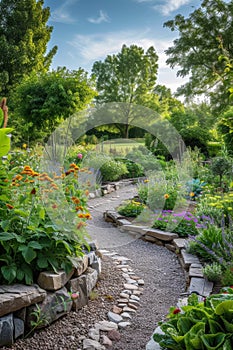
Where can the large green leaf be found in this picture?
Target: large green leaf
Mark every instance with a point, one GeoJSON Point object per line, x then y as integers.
{"type": "Point", "coordinates": [42, 261]}
{"type": "Point", "coordinates": [5, 143]}
{"type": "Point", "coordinates": [228, 325]}
{"type": "Point", "coordinates": [1, 118]}
{"type": "Point", "coordinates": [28, 253]}
{"type": "Point", "coordinates": [9, 272]}
{"type": "Point", "coordinates": [184, 324]}
{"type": "Point", "coordinates": [7, 236]}
{"type": "Point", "coordinates": [213, 341]}
{"type": "Point", "coordinates": [192, 338]}
{"type": "Point", "coordinates": [35, 245]}
{"type": "Point", "coordinates": [225, 307]}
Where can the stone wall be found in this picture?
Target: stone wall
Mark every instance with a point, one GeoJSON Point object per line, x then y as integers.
{"type": "Point", "coordinates": [23, 308]}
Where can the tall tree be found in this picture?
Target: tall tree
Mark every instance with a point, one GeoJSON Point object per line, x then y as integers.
{"type": "Point", "coordinates": [24, 36]}
{"type": "Point", "coordinates": [197, 50]}
{"type": "Point", "coordinates": [129, 76]}
{"type": "Point", "coordinates": [43, 101]}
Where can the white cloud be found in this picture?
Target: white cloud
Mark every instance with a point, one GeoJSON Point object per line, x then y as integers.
{"type": "Point", "coordinates": [170, 6]}
{"type": "Point", "coordinates": [103, 17]}
{"type": "Point", "coordinates": [91, 48]}
{"type": "Point", "coordinates": [62, 13]}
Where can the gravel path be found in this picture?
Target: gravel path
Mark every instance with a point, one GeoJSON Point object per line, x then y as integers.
{"type": "Point", "coordinates": [160, 269]}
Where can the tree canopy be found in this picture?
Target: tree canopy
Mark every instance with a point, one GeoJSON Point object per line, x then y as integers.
{"type": "Point", "coordinates": [24, 35]}
{"type": "Point", "coordinates": [197, 51]}
{"type": "Point", "coordinates": [44, 100]}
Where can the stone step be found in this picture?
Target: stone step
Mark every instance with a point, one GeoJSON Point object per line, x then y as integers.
{"type": "Point", "coordinates": [195, 270]}
{"type": "Point", "coordinates": [161, 235]}
{"type": "Point", "coordinates": [188, 259]}
{"type": "Point", "coordinates": [180, 243]}
{"type": "Point", "coordinates": [201, 286]}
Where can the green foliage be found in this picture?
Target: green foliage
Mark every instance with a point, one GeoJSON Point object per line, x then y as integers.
{"type": "Point", "coordinates": [113, 170]}
{"type": "Point", "coordinates": [197, 49]}
{"type": "Point", "coordinates": [199, 325]}
{"type": "Point", "coordinates": [227, 276]}
{"type": "Point", "coordinates": [43, 101]}
{"type": "Point", "coordinates": [194, 188]}
{"type": "Point", "coordinates": [221, 166]}
{"type": "Point", "coordinates": [29, 239]}
{"type": "Point", "coordinates": [134, 169]}
{"type": "Point", "coordinates": [24, 37]}
{"type": "Point", "coordinates": [131, 208]}
{"type": "Point", "coordinates": [129, 77]}
{"type": "Point", "coordinates": [4, 141]}
{"type": "Point", "coordinates": [213, 272]}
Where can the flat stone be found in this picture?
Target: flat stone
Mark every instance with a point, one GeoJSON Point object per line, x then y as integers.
{"type": "Point", "coordinates": [137, 292]}
{"type": "Point", "coordinates": [126, 291]}
{"type": "Point", "coordinates": [134, 302]}
{"type": "Point", "coordinates": [180, 243]}
{"type": "Point", "coordinates": [122, 266]}
{"type": "Point", "coordinates": [121, 258]}
{"type": "Point", "coordinates": [106, 325]}
{"type": "Point", "coordinates": [170, 247]}
{"type": "Point", "coordinates": [124, 295]}
{"type": "Point", "coordinates": [116, 310]}
{"type": "Point", "coordinates": [132, 306]}
{"type": "Point", "coordinates": [134, 228]}
{"type": "Point", "coordinates": [124, 324]}
{"type": "Point", "coordinates": [195, 270]}
{"type": "Point", "coordinates": [130, 286]}
{"type": "Point", "coordinates": [92, 344]}
{"type": "Point", "coordinates": [152, 345]}
{"type": "Point", "coordinates": [188, 259]}
{"type": "Point", "coordinates": [124, 269]}
{"type": "Point", "coordinates": [121, 222]}
{"type": "Point", "coordinates": [114, 317]}
{"type": "Point", "coordinates": [141, 282]}
{"type": "Point", "coordinates": [79, 285]}
{"type": "Point", "coordinates": [161, 235]}
{"type": "Point", "coordinates": [94, 334]}
{"type": "Point", "coordinates": [82, 265]}
{"type": "Point", "coordinates": [114, 335]}
{"type": "Point", "coordinates": [128, 309]}
{"type": "Point", "coordinates": [92, 278]}
{"type": "Point", "coordinates": [106, 341]}
{"type": "Point", "coordinates": [152, 239]}
{"type": "Point", "coordinates": [131, 281]}
{"type": "Point", "coordinates": [201, 285]}
{"type": "Point", "coordinates": [96, 265]}
{"type": "Point", "coordinates": [134, 297]}
{"type": "Point", "coordinates": [123, 300]}
{"type": "Point", "coordinates": [18, 296]}
{"type": "Point", "coordinates": [18, 327]}
{"type": "Point", "coordinates": [126, 315]}
{"type": "Point", "coordinates": [122, 305]}
{"type": "Point", "coordinates": [53, 281]}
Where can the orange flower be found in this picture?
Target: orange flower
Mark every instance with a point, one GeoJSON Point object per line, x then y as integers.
{"type": "Point", "coordinates": [86, 193]}
{"type": "Point", "coordinates": [80, 225]}
{"type": "Point", "coordinates": [75, 200]}
{"type": "Point", "coordinates": [191, 194]}
{"type": "Point", "coordinates": [79, 207]}
{"type": "Point", "coordinates": [9, 206]}
{"type": "Point", "coordinates": [18, 177]}
{"type": "Point", "coordinates": [88, 216]}
{"type": "Point", "coordinates": [82, 216]}
{"type": "Point", "coordinates": [166, 196]}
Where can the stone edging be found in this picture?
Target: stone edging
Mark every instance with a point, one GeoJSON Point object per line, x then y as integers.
{"type": "Point", "coordinates": [195, 281]}
{"type": "Point", "coordinates": [54, 295]}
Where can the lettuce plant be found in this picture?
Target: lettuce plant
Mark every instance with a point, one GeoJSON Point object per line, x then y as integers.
{"type": "Point", "coordinates": [200, 325]}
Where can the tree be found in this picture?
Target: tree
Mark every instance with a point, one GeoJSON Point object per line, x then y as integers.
{"type": "Point", "coordinates": [23, 41]}
{"type": "Point", "coordinates": [129, 76]}
{"type": "Point", "coordinates": [197, 50]}
{"type": "Point", "coordinates": [225, 126]}
{"type": "Point", "coordinates": [44, 100]}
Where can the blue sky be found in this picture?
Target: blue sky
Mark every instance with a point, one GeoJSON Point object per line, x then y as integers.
{"type": "Point", "coordinates": [88, 30]}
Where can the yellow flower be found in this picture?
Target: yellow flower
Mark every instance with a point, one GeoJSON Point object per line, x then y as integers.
{"type": "Point", "coordinates": [166, 196]}
{"type": "Point", "coordinates": [24, 145]}
{"type": "Point", "coordinates": [191, 194]}
{"type": "Point", "coordinates": [146, 180]}
{"type": "Point", "coordinates": [229, 208]}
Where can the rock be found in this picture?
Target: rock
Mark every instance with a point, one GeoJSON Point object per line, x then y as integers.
{"type": "Point", "coordinates": [132, 306]}
{"type": "Point", "coordinates": [53, 281]}
{"type": "Point", "coordinates": [180, 243]}
{"type": "Point", "coordinates": [124, 295]}
{"type": "Point", "coordinates": [130, 286]}
{"type": "Point", "coordinates": [91, 195]}
{"type": "Point", "coordinates": [21, 295]}
{"type": "Point", "coordinates": [106, 326]}
{"type": "Point", "coordinates": [121, 258]}
{"type": "Point", "coordinates": [137, 292]}
{"type": "Point", "coordinates": [91, 258]}
{"type": "Point", "coordinates": [96, 265]}
{"type": "Point", "coordinates": [6, 330]}
{"type": "Point", "coordinates": [195, 270]}
{"type": "Point", "coordinates": [82, 265]}
{"type": "Point", "coordinates": [152, 240]}
{"type": "Point", "coordinates": [201, 285]}
{"type": "Point", "coordinates": [134, 297]}
{"type": "Point", "coordinates": [170, 247]}
{"type": "Point", "coordinates": [188, 259]}
{"type": "Point", "coordinates": [79, 285]}
{"type": "Point", "coordinates": [116, 309]}
{"type": "Point", "coordinates": [106, 341]}
{"type": "Point", "coordinates": [152, 345]}
{"type": "Point", "coordinates": [131, 281]}
{"type": "Point", "coordinates": [121, 222]}
{"type": "Point", "coordinates": [114, 335]}
{"type": "Point", "coordinates": [124, 324]}
{"type": "Point", "coordinates": [123, 301]}
{"type": "Point", "coordinates": [134, 302]}
{"type": "Point", "coordinates": [18, 327]}
{"type": "Point", "coordinates": [122, 266]}
{"type": "Point", "coordinates": [92, 344]}
{"type": "Point", "coordinates": [126, 315]}
{"type": "Point", "coordinates": [54, 306]}
{"type": "Point", "coordinates": [128, 309]}
{"type": "Point", "coordinates": [134, 228]}
{"type": "Point", "coordinates": [114, 317]}
{"type": "Point", "coordinates": [141, 282]}
{"type": "Point", "coordinates": [161, 235]}
{"type": "Point", "coordinates": [94, 334]}
{"type": "Point", "coordinates": [91, 279]}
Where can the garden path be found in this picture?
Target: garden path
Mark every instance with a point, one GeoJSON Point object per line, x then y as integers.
{"type": "Point", "coordinates": [157, 266]}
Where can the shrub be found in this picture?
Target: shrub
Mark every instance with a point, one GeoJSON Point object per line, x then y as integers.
{"type": "Point", "coordinates": [131, 208]}
{"type": "Point", "coordinates": [213, 272]}
{"type": "Point", "coordinates": [29, 240]}
{"type": "Point", "coordinates": [113, 170]}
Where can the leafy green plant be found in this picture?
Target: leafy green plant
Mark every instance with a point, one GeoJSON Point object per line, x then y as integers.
{"type": "Point", "coordinates": [199, 325]}
{"type": "Point", "coordinates": [29, 239]}
{"type": "Point", "coordinates": [113, 170]}
{"type": "Point", "coordinates": [213, 272]}
{"type": "Point", "coordinates": [194, 188]}
{"type": "Point", "coordinates": [227, 276]}
{"type": "Point", "coordinates": [131, 208]}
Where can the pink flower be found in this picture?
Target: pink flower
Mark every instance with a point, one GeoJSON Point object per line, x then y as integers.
{"type": "Point", "coordinates": [79, 155]}
{"type": "Point", "coordinates": [74, 296]}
